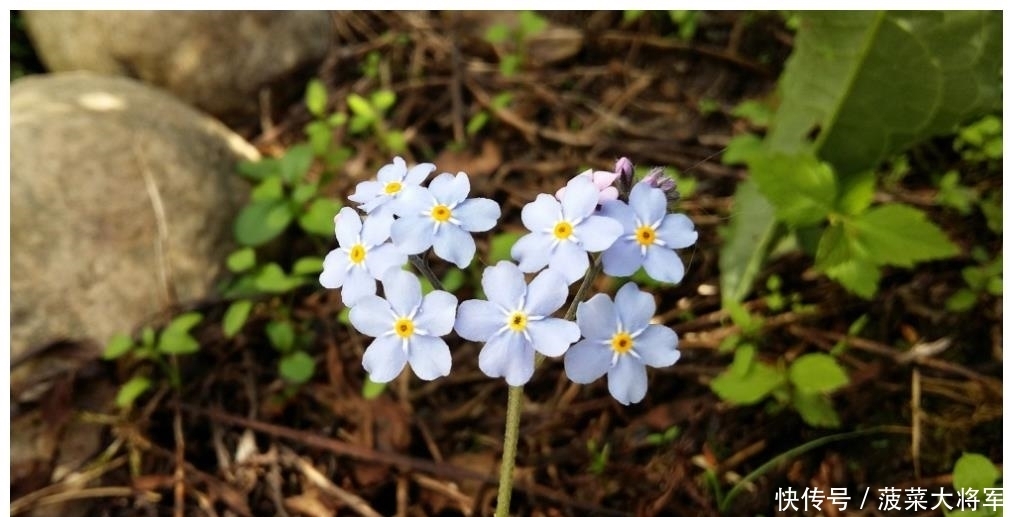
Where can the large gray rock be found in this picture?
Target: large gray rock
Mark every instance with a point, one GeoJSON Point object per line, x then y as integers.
{"type": "Point", "coordinates": [99, 166]}
{"type": "Point", "coordinates": [217, 61]}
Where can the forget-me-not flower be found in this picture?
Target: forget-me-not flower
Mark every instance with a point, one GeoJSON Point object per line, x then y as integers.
{"type": "Point", "coordinates": [603, 180]}
{"type": "Point", "coordinates": [363, 255]}
{"type": "Point", "coordinates": [441, 216]}
{"type": "Point", "coordinates": [650, 236]}
{"type": "Point", "coordinates": [391, 180]}
{"type": "Point", "coordinates": [620, 340]}
{"type": "Point", "coordinates": [516, 321]}
{"type": "Point", "coordinates": [407, 328]}
{"type": "Point", "coordinates": [563, 232]}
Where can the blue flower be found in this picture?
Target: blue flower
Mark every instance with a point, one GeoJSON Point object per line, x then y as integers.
{"type": "Point", "coordinates": [563, 232]}
{"type": "Point", "coordinates": [407, 328]}
{"type": "Point", "coordinates": [441, 217]}
{"type": "Point", "coordinates": [516, 321]}
{"type": "Point", "coordinates": [362, 257]}
{"type": "Point", "coordinates": [649, 236]}
{"type": "Point", "coordinates": [391, 180]}
{"type": "Point", "coordinates": [619, 340]}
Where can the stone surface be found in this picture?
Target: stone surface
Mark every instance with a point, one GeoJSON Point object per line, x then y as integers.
{"type": "Point", "coordinates": [217, 61]}
{"type": "Point", "coordinates": [100, 166]}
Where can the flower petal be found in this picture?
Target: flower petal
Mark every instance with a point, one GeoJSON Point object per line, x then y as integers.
{"type": "Point", "coordinates": [358, 284]}
{"type": "Point", "coordinates": [453, 244]}
{"type": "Point", "coordinates": [552, 336]}
{"type": "Point", "coordinates": [648, 203]}
{"type": "Point", "coordinates": [335, 268]}
{"type": "Point", "coordinates": [453, 190]}
{"type": "Point", "coordinates": [412, 234]}
{"type": "Point", "coordinates": [622, 259]}
{"type": "Point", "coordinates": [382, 258]}
{"type": "Point", "coordinates": [580, 199]}
{"type": "Point", "coordinates": [402, 290]}
{"type": "Point", "coordinates": [417, 174]}
{"type": "Point", "coordinates": [365, 191]}
{"type": "Point", "coordinates": [478, 320]}
{"type": "Point", "coordinates": [597, 317]}
{"type": "Point", "coordinates": [372, 316]}
{"type": "Point", "coordinates": [587, 361]}
{"type": "Point", "coordinates": [494, 358]}
{"type": "Point", "coordinates": [628, 380]}
{"type": "Point", "coordinates": [547, 292]}
{"type": "Point", "coordinates": [413, 201]}
{"type": "Point", "coordinates": [635, 307]}
{"type": "Point", "coordinates": [541, 214]}
{"type": "Point", "coordinates": [376, 229]}
{"type": "Point", "coordinates": [429, 357]}
{"type": "Point", "coordinates": [384, 359]}
{"type": "Point", "coordinates": [664, 265]}
{"type": "Point", "coordinates": [532, 252]}
{"type": "Point", "coordinates": [622, 213]}
{"type": "Point", "coordinates": [436, 316]}
{"type": "Point", "coordinates": [657, 346]}
{"type": "Point", "coordinates": [347, 227]}
{"type": "Point", "coordinates": [477, 215]}
{"type": "Point", "coordinates": [394, 171]}
{"type": "Point", "coordinates": [569, 260]}
{"type": "Point", "coordinates": [521, 364]}
{"type": "Point", "coordinates": [597, 233]}
{"type": "Point", "coordinates": [677, 231]}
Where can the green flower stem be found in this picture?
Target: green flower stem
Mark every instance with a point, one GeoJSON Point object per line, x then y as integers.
{"type": "Point", "coordinates": [420, 264]}
{"type": "Point", "coordinates": [515, 400]}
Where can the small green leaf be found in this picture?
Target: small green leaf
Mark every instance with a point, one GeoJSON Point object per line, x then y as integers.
{"type": "Point", "coordinates": [756, 112]}
{"type": "Point", "coordinates": [337, 119]}
{"type": "Point", "coordinates": [974, 471]}
{"type": "Point", "coordinates": [497, 33]}
{"type": "Point", "coordinates": [120, 344]}
{"type": "Point", "coordinates": [261, 221]}
{"type": "Point", "coordinates": [318, 219]}
{"type": "Point", "coordinates": [630, 16]}
{"type": "Point", "coordinates": [817, 373]}
{"type": "Point", "coordinates": [743, 149]}
{"type": "Point", "coordinates": [900, 235]}
{"type": "Point", "coordinates": [241, 260]}
{"type": "Point", "coordinates": [183, 323]}
{"type": "Point", "coordinates": [344, 316]}
{"type": "Point", "coordinates": [383, 100]}
{"type": "Point", "coordinates": [532, 23]}
{"type": "Point", "coordinates": [747, 241]}
{"type": "Point", "coordinates": [148, 337]}
{"type": "Point", "coordinates": [510, 64]}
{"type": "Point", "coordinates": [308, 266]}
{"type": "Point", "coordinates": [297, 367]}
{"type": "Point", "coordinates": [316, 98]}
{"type": "Point", "coordinates": [856, 192]}
{"type": "Point", "coordinates": [303, 192]}
{"type": "Point", "coordinates": [272, 279]}
{"type": "Point", "coordinates": [371, 390]}
{"type": "Point", "coordinates": [477, 122]}
{"type": "Point", "coordinates": [743, 360]}
{"type": "Point", "coordinates": [296, 163]}
{"type": "Point", "coordinates": [281, 334]}
{"type": "Point", "coordinates": [132, 389]}
{"type": "Point", "coordinates": [235, 317]}
{"type": "Point", "coordinates": [270, 188]}
{"type": "Point", "coordinates": [760, 381]}
{"type": "Point", "coordinates": [816, 409]}
{"type": "Point", "coordinates": [177, 343]}
{"type": "Point", "coordinates": [260, 169]}
{"type": "Point", "coordinates": [395, 141]}
{"type": "Point", "coordinates": [962, 301]}
{"type": "Point", "coordinates": [801, 188]}
{"type": "Point", "coordinates": [361, 107]}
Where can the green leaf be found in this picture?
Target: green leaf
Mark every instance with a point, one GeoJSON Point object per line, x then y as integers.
{"type": "Point", "coordinates": [281, 334]}
{"type": "Point", "coordinates": [743, 360]}
{"type": "Point", "coordinates": [183, 323]}
{"type": "Point", "coordinates": [477, 122]}
{"type": "Point", "coordinates": [632, 16]}
{"type": "Point", "coordinates": [318, 219]}
{"type": "Point", "coordinates": [756, 112]}
{"type": "Point", "coordinates": [120, 344]}
{"type": "Point", "coordinates": [856, 192]}
{"type": "Point", "coordinates": [297, 367]}
{"type": "Point", "coordinates": [308, 266]}
{"type": "Point", "coordinates": [974, 471]}
{"type": "Point", "coordinates": [383, 100]}
{"type": "Point", "coordinates": [235, 317]}
{"type": "Point", "coordinates": [132, 389]}
{"type": "Point", "coordinates": [747, 241]}
{"type": "Point", "coordinates": [261, 221]}
{"type": "Point", "coordinates": [756, 384]}
{"type": "Point", "coordinates": [361, 107]}
{"type": "Point", "coordinates": [816, 409]}
{"type": "Point", "coordinates": [296, 163]}
{"type": "Point", "coordinates": [371, 390]}
{"type": "Point", "coordinates": [320, 136]}
{"type": "Point", "coordinates": [176, 338]}
{"type": "Point", "coordinates": [861, 278]}
{"type": "Point", "coordinates": [241, 260]}
{"type": "Point", "coordinates": [316, 98]}
{"type": "Point", "coordinates": [500, 246]}
{"type": "Point", "coordinates": [303, 192]}
{"type": "Point", "coordinates": [497, 33]}
{"type": "Point", "coordinates": [962, 301]}
{"type": "Point", "coordinates": [270, 188]}
{"type": "Point", "coordinates": [272, 279]}
{"type": "Point", "coordinates": [800, 187]}
{"type": "Point", "coordinates": [817, 373]}
{"type": "Point", "coordinates": [841, 258]}
{"type": "Point", "coordinates": [900, 235]}
{"type": "Point", "coordinates": [510, 64]}
{"type": "Point", "coordinates": [260, 169]}
{"type": "Point", "coordinates": [876, 82]}
{"type": "Point", "coordinates": [453, 280]}
{"type": "Point", "coordinates": [532, 23]}
{"type": "Point", "coordinates": [743, 149]}
{"type": "Point", "coordinates": [395, 142]}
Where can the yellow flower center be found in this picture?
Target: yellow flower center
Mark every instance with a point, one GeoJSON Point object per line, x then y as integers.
{"type": "Point", "coordinates": [404, 328]}
{"type": "Point", "coordinates": [645, 235]}
{"type": "Point", "coordinates": [563, 230]}
{"type": "Point", "coordinates": [392, 188]}
{"type": "Point", "coordinates": [517, 321]}
{"type": "Point", "coordinates": [357, 254]}
{"type": "Point", "coordinates": [622, 342]}
{"type": "Point", "coordinates": [441, 213]}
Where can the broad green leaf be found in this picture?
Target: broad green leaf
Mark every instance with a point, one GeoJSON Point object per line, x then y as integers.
{"type": "Point", "coordinates": [296, 163]}
{"type": "Point", "coordinates": [371, 390]}
{"type": "Point", "coordinates": [747, 240]}
{"type": "Point", "coordinates": [260, 169]}
{"type": "Point", "coordinates": [800, 187]}
{"type": "Point", "coordinates": [318, 218]}
{"type": "Point", "coordinates": [132, 389]}
{"type": "Point", "coordinates": [261, 221]}
{"type": "Point", "coordinates": [383, 100]}
{"type": "Point", "coordinates": [758, 382]}
{"type": "Point", "coordinates": [816, 409]}
{"type": "Point", "coordinates": [241, 260]}
{"type": "Point", "coordinates": [281, 334]}
{"type": "Point", "coordinates": [974, 471]}
{"type": "Point", "coordinates": [900, 235]}
{"type": "Point", "coordinates": [118, 345]}
{"type": "Point", "coordinates": [817, 373]}
{"type": "Point", "coordinates": [316, 97]}
{"type": "Point", "coordinates": [272, 279]}
{"type": "Point", "coordinates": [861, 278]}
{"type": "Point", "coordinates": [297, 367]}
{"type": "Point", "coordinates": [361, 107]}
{"type": "Point", "coordinates": [235, 317]}
{"type": "Point", "coordinates": [308, 266]}
{"type": "Point", "coordinates": [876, 82]}
{"type": "Point", "coordinates": [839, 256]}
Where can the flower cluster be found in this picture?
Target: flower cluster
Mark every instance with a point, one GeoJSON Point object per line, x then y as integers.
{"type": "Point", "coordinates": [598, 212]}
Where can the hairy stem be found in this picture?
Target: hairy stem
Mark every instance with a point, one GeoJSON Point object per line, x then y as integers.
{"type": "Point", "coordinates": [420, 264]}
